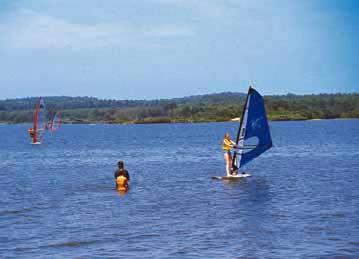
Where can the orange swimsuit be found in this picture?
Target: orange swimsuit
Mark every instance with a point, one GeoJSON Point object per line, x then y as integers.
{"type": "Point", "coordinates": [122, 183]}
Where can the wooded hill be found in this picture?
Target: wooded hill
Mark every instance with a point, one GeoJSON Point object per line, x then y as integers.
{"type": "Point", "coordinates": [200, 108]}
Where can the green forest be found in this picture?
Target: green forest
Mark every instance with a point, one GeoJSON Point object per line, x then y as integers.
{"type": "Point", "coordinates": [199, 108]}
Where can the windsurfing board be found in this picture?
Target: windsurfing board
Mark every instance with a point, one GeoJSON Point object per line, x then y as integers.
{"type": "Point", "coordinates": [233, 177]}
{"type": "Point", "coordinates": [36, 143]}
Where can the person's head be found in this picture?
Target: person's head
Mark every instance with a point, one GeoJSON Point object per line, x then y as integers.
{"type": "Point", "coordinates": [120, 164]}
{"type": "Point", "coordinates": [227, 136]}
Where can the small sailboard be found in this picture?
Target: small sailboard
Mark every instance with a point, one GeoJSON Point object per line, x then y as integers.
{"type": "Point", "coordinates": [253, 135]}
{"type": "Point", "coordinates": [232, 177]}
{"type": "Point", "coordinates": [38, 130]}
{"type": "Point", "coordinates": [55, 124]}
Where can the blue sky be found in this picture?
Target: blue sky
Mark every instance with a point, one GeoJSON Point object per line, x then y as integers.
{"type": "Point", "coordinates": [149, 49]}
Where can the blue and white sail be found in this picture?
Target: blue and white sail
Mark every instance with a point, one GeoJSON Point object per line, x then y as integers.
{"type": "Point", "coordinates": [253, 137]}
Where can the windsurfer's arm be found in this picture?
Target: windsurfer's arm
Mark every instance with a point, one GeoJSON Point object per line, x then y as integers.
{"type": "Point", "coordinates": [127, 175]}
{"type": "Point", "coordinates": [229, 143]}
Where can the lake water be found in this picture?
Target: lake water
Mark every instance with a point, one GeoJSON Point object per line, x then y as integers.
{"type": "Point", "coordinates": [57, 200]}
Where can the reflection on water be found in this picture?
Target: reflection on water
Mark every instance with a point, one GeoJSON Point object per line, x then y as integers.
{"type": "Point", "coordinates": [122, 193]}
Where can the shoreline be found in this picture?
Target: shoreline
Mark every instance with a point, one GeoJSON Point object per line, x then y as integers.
{"type": "Point", "coordinates": [171, 122]}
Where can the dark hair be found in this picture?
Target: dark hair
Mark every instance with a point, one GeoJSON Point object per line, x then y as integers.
{"type": "Point", "coordinates": [120, 164]}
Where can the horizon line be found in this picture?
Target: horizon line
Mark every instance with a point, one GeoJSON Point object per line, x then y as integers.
{"type": "Point", "coordinates": [182, 97]}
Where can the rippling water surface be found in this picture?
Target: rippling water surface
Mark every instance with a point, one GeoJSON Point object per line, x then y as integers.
{"type": "Point", "coordinates": [57, 199]}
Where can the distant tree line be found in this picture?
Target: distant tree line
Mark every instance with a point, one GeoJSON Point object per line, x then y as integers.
{"type": "Point", "coordinates": [201, 108]}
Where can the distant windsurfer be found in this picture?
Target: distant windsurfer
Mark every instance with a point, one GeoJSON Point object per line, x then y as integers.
{"type": "Point", "coordinates": [228, 144]}
{"type": "Point", "coordinates": [122, 177]}
{"type": "Point", "coordinates": [32, 134]}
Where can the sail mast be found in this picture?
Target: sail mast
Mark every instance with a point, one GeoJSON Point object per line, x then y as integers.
{"type": "Point", "coordinates": [36, 118]}
{"type": "Point", "coordinates": [239, 132]}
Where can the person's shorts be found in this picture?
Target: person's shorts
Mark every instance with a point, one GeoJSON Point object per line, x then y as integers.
{"type": "Point", "coordinates": [226, 152]}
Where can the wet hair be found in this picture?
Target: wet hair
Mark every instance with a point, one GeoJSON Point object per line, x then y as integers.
{"type": "Point", "coordinates": [226, 135]}
{"type": "Point", "coordinates": [120, 164]}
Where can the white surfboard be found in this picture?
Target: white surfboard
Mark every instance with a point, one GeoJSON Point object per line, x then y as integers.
{"type": "Point", "coordinates": [233, 177]}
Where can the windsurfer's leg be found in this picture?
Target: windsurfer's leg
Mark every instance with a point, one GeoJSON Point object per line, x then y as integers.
{"type": "Point", "coordinates": [228, 158]}
{"type": "Point", "coordinates": [229, 166]}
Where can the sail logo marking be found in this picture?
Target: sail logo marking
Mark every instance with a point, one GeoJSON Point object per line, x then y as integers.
{"type": "Point", "coordinates": [258, 123]}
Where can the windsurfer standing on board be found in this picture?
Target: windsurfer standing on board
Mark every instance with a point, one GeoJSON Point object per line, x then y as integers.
{"type": "Point", "coordinates": [227, 145]}
{"type": "Point", "coordinates": [122, 177]}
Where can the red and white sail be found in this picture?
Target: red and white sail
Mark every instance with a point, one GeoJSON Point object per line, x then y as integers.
{"type": "Point", "coordinates": [39, 126]}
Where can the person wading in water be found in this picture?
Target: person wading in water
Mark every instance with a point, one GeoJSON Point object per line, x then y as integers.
{"type": "Point", "coordinates": [122, 177]}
